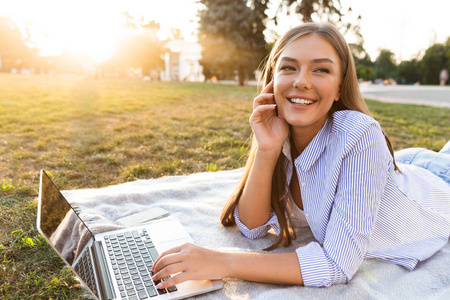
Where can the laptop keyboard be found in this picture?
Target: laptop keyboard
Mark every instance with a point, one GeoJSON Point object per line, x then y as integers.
{"type": "Point", "coordinates": [84, 270]}
{"type": "Point", "coordinates": [132, 255]}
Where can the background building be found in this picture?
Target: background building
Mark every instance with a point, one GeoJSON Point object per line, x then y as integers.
{"type": "Point", "coordinates": [182, 62]}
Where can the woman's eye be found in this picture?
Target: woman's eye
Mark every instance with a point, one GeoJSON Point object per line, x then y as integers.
{"type": "Point", "coordinates": [287, 68]}
{"type": "Point", "coordinates": [323, 70]}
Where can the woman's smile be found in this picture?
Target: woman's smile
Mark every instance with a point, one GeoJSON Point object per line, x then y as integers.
{"type": "Point", "coordinates": [300, 101]}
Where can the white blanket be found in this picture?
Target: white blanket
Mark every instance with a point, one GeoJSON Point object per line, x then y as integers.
{"type": "Point", "coordinates": [197, 200]}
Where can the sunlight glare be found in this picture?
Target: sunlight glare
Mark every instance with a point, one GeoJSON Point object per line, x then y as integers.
{"type": "Point", "coordinates": [93, 28]}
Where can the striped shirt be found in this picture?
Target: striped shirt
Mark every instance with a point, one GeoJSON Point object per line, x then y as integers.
{"type": "Point", "coordinates": [358, 206]}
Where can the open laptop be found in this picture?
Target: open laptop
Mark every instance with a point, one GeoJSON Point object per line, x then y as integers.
{"type": "Point", "coordinates": [114, 264]}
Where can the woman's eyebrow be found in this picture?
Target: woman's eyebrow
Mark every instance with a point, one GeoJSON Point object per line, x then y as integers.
{"type": "Point", "coordinates": [315, 60]}
{"type": "Point", "coordinates": [287, 58]}
{"type": "Point", "coordinates": [323, 60]}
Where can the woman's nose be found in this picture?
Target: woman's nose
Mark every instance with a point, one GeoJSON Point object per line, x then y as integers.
{"type": "Point", "coordinates": [302, 81]}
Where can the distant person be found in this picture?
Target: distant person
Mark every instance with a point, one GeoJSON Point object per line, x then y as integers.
{"type": "Point", "coordinates": [245, 77]}
{"type": "Point", "coordinates": [443, 77]}
{"type": "Point", "coordinates": [154, 76]}
{"type": "Point", "coordinates": [319, 160]}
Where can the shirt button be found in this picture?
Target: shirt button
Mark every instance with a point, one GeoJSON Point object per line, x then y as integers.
{"type": "Point", "coordinates": [303, 183]}
{"type": "Point", "coordinates": [306, 215]}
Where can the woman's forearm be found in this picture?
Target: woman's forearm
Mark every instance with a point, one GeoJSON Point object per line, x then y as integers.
{"type": "Point", "coordinates": [192, 262]}
{"type": "Point", "coordinates": [254, 204]}
{"type": "Point", "coordinates": [281, 268]}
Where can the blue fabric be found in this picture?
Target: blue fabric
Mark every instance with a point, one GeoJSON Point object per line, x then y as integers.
{"type": "Point", "coordinates": [436, 162]}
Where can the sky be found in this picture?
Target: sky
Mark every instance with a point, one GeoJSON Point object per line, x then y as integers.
{"type": "Point", "coordinates": [406, 27]}
{"type": "Point", "coordinates": [403, 26]}
{"type": "Point", "coordinates": [92, 27]}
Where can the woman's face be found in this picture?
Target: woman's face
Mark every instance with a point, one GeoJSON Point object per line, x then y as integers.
{"type": "Point", "coordinates": [306, 82]}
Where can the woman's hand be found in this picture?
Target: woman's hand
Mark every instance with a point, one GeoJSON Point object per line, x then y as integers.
{"type": "Point", "coordinates": [270, 128]}
{"type": "Point", "coordinates": [188, 262]}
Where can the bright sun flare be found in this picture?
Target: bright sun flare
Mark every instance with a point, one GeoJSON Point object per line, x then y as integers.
{"type": "Point", "coordinates": [93, 28]}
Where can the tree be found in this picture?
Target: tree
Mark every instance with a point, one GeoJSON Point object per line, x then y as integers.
{"type": "Point", "coordinates": [307, 8]}
{"type": "Point", "coordinates": [176, 34]}
{"type": "Point", "coordinates": [363, 63]}
{"type": "Point", "coordinates": [141, 48]}
{"type": "Point", "coordinates": [13, 50]}
{"type": "Point", "coordinates": [384, 65]}
{"type": "Point", "coordinates": [408, 72]}
{"type": "Point", "coordinates": [435, 58]}
{"type": "Point", "coordinates": [260, 7]}
{"type": "Point", "coordinates": [447, 52]}
{"type": "Point", "coordinates": [231, 35]}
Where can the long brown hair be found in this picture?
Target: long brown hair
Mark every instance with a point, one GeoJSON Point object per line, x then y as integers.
{"type": "Point", "coordinates": [350, 99]}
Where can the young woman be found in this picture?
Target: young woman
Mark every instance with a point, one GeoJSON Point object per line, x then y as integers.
{"type": "Point", "coordinates": [318, 159]}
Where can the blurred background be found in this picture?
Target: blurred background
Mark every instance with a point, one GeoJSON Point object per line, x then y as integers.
{"type": "Point", "coordinates": [393, 42]}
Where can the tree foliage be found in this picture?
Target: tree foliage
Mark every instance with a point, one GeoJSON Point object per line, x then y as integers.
{"type": "Point", "coordinates": [434, 60]}
{"type": "Point", "coordinates": [306, 8]}
{"type": "Point", "coordinates": [363, 63]}
{"type": "Point", "coordinates": [385, 65]}
{"type": "Point", "coordinates": [408, 72]}
{"type": "Point", "coordinates": [231, 35]}
{"type": "Point", "coordinates": [141, 48]}
{"type": "Point", "coordinates": [426, 69]}
{"type": "Point", "coordinates": [13, 49]}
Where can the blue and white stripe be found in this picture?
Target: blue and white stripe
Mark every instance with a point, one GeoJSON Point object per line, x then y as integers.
{"type": "Point", "coordinates": [358, 207]}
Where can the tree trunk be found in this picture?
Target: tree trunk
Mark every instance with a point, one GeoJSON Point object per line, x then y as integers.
{"type": "Point", "coordinates": [241, 76]}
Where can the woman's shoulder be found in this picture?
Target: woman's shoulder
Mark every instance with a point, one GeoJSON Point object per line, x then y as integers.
{"type": "Point", "coordinates": [353, 127]}
{"type": "Point", "coordinates": [351, 121]}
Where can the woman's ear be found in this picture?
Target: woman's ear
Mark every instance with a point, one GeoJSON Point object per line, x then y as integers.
{"type": "Point", "coordinates": [338, 95]}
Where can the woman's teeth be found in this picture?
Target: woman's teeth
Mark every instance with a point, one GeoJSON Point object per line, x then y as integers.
{"type": "Point", "coordinates": [301, 101]}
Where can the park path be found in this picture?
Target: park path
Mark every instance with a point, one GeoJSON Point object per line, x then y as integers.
{"type": "Point", "coordinates": [421, 94]}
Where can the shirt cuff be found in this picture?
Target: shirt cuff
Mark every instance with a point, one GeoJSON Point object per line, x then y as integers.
{"type": "Point", "coordinates": [317, 268]}
{"type": "Point", "coordinates": [260, 231]}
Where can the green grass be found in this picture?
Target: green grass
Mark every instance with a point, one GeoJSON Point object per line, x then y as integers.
{"type": "Point", "coordinates": [93, 133]}
{"type": "Point", "coordinates": [413, 125]}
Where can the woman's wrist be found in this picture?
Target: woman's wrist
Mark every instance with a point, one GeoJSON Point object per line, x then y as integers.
{"type": "Point", "coordinates": [231, 264]}
{"type": "Point", "coordinates": [225, 265]}
{"type": "Point", "coordinates": [263, 267]}
{"type": "Point", "coordinates": [270, 154]}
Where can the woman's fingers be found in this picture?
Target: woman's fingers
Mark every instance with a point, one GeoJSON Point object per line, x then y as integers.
{"type": "Point", "coordinates": [173, 280]}
{"type": "Point", "coordinates": [261, 99]}
{"type": "Point", "coordinates": [168, 270]}
{"type": "Point", "coordinates": [268, 88]}
{"type": "Point", "coordinates": [165, 254]}
{"type": "Point", "coordinates": [164, 261]}
{"type": "Point", "coordinates": [187, 262]}
{"type": "Point", "coordinates": [266, 96]}
{"type": "Point", "coordinates": [266, 107]}
{"type": "Point", "coordinates": [257, 115]}
{"type": "Point", "coordinates": [169, 262]}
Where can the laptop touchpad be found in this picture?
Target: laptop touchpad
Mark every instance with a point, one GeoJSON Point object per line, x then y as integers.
{"type": "Point", "coordinates": [167, 230]}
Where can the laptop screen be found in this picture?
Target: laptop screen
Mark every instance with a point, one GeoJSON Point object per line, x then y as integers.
{"type": "Point", "coordinates": [59, 222]}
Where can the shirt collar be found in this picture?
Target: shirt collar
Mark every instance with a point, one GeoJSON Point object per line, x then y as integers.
{"type": "Point", "coordinates": [314, 149]}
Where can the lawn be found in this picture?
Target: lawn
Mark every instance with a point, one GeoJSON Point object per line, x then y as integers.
{"type": "Point", "coordinates": [93, 133]}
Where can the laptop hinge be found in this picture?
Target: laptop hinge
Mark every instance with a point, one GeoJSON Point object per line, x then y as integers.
{"type": "Point", "coordinates": [106, 290]}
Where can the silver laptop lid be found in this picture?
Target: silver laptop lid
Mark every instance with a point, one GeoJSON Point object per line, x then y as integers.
{"type": "Point", "coordinates": [59, 222]}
